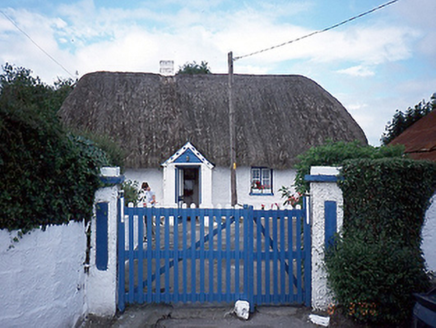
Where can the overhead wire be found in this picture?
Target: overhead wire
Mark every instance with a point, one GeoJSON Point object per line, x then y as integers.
{"type": "Point", "coordinates": [36, 44]}
{"type": "Point", "coordinates": [317, 32]}
{"type": "Point", "coordinates": [235, 58]}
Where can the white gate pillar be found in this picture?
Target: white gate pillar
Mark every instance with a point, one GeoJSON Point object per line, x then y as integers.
{"type": "Point", "coordinates": [101, 286]}
{"type": "Point", "coordinates": [326, 204]}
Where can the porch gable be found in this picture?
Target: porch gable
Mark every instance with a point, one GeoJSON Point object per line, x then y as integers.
{"type": "Point", "coordinates": [186, 155]}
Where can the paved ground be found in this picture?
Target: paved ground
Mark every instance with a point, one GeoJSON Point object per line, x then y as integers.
{"type": "Point", "coordinates": [181, 316]}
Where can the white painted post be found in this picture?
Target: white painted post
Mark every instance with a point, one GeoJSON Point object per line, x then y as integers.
{"type": "Point", "coordinates": [101, 285]}
{"type": "Point", "coordinates": [323, 187]}
{"type": "Point", "coordinates": [206, 186]}
{"type": "Point", "coordinates": [169, 183]}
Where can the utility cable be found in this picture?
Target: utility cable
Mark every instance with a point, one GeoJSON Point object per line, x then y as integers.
{"type": "Point", "coordinates": [317, 32]}
{"type": "Point", "coordinates": [37, 45]}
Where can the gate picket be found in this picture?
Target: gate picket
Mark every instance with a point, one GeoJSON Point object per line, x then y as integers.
{"type": "Point", "coordinates": [213, 255]}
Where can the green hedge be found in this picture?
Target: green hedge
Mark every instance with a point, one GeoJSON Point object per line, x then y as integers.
{"type": "Point", "coordinates": [376, 263]}
{"type": "Point", "coordinates": [387, 198]}
{"type": "Point", "coordinates": [47, 175]}
{"type": "Point", "coordinates": [335, 154]}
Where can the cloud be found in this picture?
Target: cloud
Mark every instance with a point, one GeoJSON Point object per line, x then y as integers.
{"type": "Point", "coordinates": [137, 38]}
{"type": "Point", "coordinates": [359, 70]}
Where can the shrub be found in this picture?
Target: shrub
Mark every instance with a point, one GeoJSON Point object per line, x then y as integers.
{"type": "Point", "coordinates": [376, 264]}
{"type": "Point", "coordinates": [131, 192]}
{"type": "Point", "coordinates": [335, 154]}
{"type": "Point", "coordinates": [111, 148]}
{"type": "Point", "coordinates": [374, 280]}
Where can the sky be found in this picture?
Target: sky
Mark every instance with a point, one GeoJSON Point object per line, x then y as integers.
{"type": "Point", "coordinates": [374, 65]}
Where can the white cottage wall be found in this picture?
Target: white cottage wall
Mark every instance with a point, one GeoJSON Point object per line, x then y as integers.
{"type": "Point", "coordinates": [429, 236]}
{"type": "Point", "coordinates": [154, 177]}
{"type": "Point", "coordinates": [221, 187]}
{"type": "Point", "coordinates": [42, 277]}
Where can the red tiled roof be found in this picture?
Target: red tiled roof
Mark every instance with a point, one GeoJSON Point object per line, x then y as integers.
{"type": "Point", "coordinates": [420, 138]}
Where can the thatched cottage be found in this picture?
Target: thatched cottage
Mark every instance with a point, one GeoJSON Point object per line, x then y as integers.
{"type": "Point", "coordinates": [175, 130]}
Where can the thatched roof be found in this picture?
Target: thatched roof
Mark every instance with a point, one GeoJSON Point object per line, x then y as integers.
{"type": "Point", "coordinates": [277, 116]}
{"type": "Point", "coordinates": [420, 138]}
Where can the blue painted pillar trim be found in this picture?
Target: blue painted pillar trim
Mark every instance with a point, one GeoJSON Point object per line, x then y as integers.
{"type": "Point", "coordinates": [101, 253]}
{"type": "Point", "coordinates": [330, 214]}
{"type": "Point", "coordinates": [112, 180]}
{"type": "Point", "coordinates": [322, 178]}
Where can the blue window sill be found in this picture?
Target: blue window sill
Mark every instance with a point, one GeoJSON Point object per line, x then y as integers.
{"type": "Point", "coordinates": [265, 194]}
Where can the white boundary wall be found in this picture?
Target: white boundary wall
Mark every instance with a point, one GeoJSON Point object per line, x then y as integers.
{"type": "Point", "coordinates": [428, 245]}
{"type": "Point", "coordinates": [41, 277]}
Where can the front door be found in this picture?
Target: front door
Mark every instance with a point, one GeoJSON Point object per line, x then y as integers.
{"type": "Point", "coordinates": [188, 188]}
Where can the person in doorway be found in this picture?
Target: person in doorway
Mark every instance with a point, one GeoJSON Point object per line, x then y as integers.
{"type": "Point", "coordinates": [148, 196]}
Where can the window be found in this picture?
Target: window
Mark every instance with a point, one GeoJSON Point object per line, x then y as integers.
{"type": "Point", "coordinates": [261, 181]}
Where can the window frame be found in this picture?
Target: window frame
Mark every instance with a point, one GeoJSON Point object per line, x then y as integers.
{"type": "Point", "coordinates": [264, 176]}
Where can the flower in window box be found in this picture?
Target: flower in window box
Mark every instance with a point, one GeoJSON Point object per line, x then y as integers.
{"type": "Point", "coordinates": [257, 185]}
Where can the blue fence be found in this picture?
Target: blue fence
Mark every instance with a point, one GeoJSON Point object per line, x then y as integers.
{"type": "Point", "coordinates": [213, 255]}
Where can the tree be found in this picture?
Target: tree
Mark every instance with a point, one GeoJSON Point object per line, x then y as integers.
{"type": "Point", "coordinates": [401, 121]}
{"type": "Point", "coordinates": [194, 68]}
{"type": "Point", "coordinates": [19, 88]}
{"type": "Point", "coordinates": [48, 175]}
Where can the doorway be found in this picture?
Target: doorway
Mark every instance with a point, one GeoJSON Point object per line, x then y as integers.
{"type": "Point", "coordinates": [188, 186]}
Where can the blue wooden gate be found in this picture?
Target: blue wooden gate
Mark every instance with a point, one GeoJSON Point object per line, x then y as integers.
{"type": "Point", "coordinates": [175, 255]}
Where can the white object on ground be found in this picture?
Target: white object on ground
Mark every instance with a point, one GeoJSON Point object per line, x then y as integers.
{"type": "Point", "coordinates": [242, 309]}
{"type": "Point", "coordinates": [318, 320]}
